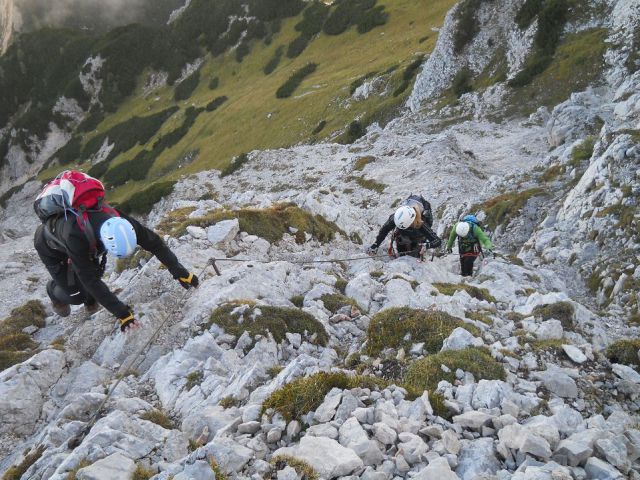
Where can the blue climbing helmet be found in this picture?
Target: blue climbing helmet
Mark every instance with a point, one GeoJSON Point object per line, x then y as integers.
{"type": "Point", "coordinates": [118, 237]}
{"type": "Point", "coordinates": [471, 219]}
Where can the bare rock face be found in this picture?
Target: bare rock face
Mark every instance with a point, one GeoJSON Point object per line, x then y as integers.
{"type": "Point", "coordinates": [24, 389]}
{"type": "Point", "coordinates": [326, 456]}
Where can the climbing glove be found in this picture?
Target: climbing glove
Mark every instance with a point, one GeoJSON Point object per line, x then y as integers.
{"type": "Point", "coordinates": [449, 250]}
{"type": "Point", "coordinates": [189, 281]}
{"type": "Point", "coordinates": [373, 249]}
{"type": "Point", "coordinates": [127, 322]}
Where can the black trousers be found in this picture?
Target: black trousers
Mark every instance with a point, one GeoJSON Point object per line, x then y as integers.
{"type": "Point", "coordinates": [407, 247]}
{"type": "Point", "coordinates": [466, 264]}
{"type": "Point", "coordinates": [64, 286]}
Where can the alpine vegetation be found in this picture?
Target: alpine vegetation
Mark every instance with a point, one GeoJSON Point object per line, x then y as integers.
{"type": "Point", "coordinates": [418, 259]}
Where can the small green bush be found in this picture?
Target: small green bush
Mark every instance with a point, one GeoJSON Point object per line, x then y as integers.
{"type": "Point", "coordinates": [624, 351]}
{"type": "Point", "coordinates": [363, 162]}
{"type": "Point", "coordinates": [303, 469]}
{"type": "Point", "coordinates": [159, 418]}
{"type": "Point", "coordinates": [335, 301]}
{"type": "Point", "coordinates": [17, 471]}
{"type": "Point", "coordinates": [475, 292]}
{"type": "Point", "coordinates": [214, 83]}
{"type": "Point", "coordinates": [563, 311]}
{"type": "Point", "coordinates": [354, 131]}
{"type": "Point", "coordinates": [306, 394]}
{"type": "Point", "coordinates": [142, 202]}
{"type": "Point", "coordinates": [193, 379]}
{"type": "Point", "coordinates": [372, 18]}
{"type": "Point", "coordinates": [185, 88]}
{"type": "Point", "coordinates": [294, 81]}
{"type": "Point", "coordinates": [31, 313]}
{"type": "Point", "coordinates": [269, 223]}
{"type": "Point", "coordinates": [235, 165]}
{"type": "Point", "coordinates": [142, 473]}
{"type": "Point", "coordinates": [360, 13]}
{"type": "Point", "coordinates": [125, 135]}
{"type": "Point", "coordinates": [216, 103]}
{"type": "Point", "coordinates": [551, 21]}
{"type": "Point", "coordinates": [313, 19]}
{"type": "Point", "coordinates": [370, 184]}
{"type": "Point", "coordinates": [424, 374]}
{"type": "Point", "coordinates": [479, 316]}
{"type": "Point", "coordinates": [401, 327]}
{"type": "Point", "coordinates": [228, 402]}
{"type": "Point", "coordinates": [276, 320]}
{"type": "Point", "coordinates": [583, 151]}
{"type": "Point", "coordinates": [319, 127]}
{"type": "Point", "coordinates": [297, 46]}
{"type": "Point", "coordinates": [274, 62]}
{"type": "Point", "coordinates": [4, 198]}
{"type": "Point", "coordinates": [297, 300]}
{"type": "Point", "coordinates": [70, 152]}
{"type": "Point", "coordinates": [502, 209]}
{"type": "Point", "coordinates": [528, 12]}
{"type": "Point", "coordinates": [466, 26]}
{"type": "Point", "coordinates": [462, 82]}
{"type": "Point", "coordinates": [407, 75]}
{"type": "Point", "coordinates": [242, 50]}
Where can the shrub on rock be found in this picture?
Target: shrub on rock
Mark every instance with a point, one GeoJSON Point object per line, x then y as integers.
{"type": "Point", "coordinates": [563, 311]}
{"type": "Point", "coordinates": [424, 374]}
{"type": "Point", "coordinates": [236, 318]}
{"type": "Point", "coordinates": [624, 352]}
{"type": "Point", "coordinates": [475, 292]}
{"type": "Point", "coordinates": [306, 394]}
{"type": "Point", "coordinates": [401, 327]}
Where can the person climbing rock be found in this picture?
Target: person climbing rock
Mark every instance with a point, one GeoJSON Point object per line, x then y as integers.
{"type": "Point", "coordinates": [411, 226]}
{"type": "Point", "coordinates": [471, 243]}
{"type": "Point", "coordinates": [77, 233]}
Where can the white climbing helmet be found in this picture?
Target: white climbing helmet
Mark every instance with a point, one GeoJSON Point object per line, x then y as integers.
{"type": "Point", "coordinates": [462, 229]}
{"type": "Point", "coordinates": [404, 217]}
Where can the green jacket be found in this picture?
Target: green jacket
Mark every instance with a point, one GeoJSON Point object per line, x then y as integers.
{"type": "Point", "coordinates": [467, 244]}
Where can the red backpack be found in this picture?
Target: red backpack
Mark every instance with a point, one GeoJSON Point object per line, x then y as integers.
{"type": "Point", "coordinates": [76, 193]}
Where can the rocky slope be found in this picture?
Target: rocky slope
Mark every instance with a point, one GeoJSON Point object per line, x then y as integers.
{"type": "Point", "coordinates": [505, 376]}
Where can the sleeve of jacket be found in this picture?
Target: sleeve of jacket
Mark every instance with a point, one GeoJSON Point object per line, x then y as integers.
{"type": "Point", "coordinates": [482, 238]}
{"type": "Point", "coordinates": [452, 238]}
{"type": "Point", "coordinates": [89, 274]}
{"type": "Point", "coordinates": [151, 241]}
{"type": "Point", "coordinates": [433, 239]}
{"type": "Point", "coordinates": [388, 226]}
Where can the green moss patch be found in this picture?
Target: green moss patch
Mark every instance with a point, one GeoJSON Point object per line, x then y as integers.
{"type": "Point", "coordinates": [16, 472]}
{"type": "Point", "coordinates": [563, 311]}
{"type": "Point", "coordinates": [306, 394]}
{"type": "Point", "coordinates": [424, 374]}
{"type": "Point", "coordinates": [269, 223]}
{"type": "Point", "coordinates": [363, 162]}
{"type": "Point", "coordinates": [15, 345]}
{"type": "Point", "coordinates": [142, 202]}
{"type": "Point", "coordinates": [624, 351]}
{"type": "Point", "coordinates": [335, 301]}
{"type": "Point", "coordinates": [479, 316]}
{"type": "Point", "coordinates": [159, 418]}
{"type": "Point", "coordinates": [303, 469]}
{"type": "Point", "coordinates": [475, 292]}
{"type": "Point", "coordinates": [401, 327]}
{"type": "Point", "coordinates": [502, 209]}
{"type": "Point", "coordinates": [236, 318]}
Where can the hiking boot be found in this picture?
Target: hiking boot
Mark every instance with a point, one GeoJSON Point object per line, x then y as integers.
{"type": "Point", "coordinates": [61, 309]}
{"type": "Point", "coordinates": [91, 308]}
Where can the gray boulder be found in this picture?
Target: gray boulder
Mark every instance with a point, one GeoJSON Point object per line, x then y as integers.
{"type": "Point", "coordinates": [438, 469]}
{"type": "Point", "coordinates": [324, 455]}
{"type": "Point", "coordinates": [224, 231]}
{"type": "Point", "coordinates": [113, 467]}
{"type": "Point", "coordinates": [599, 470]}
{"type": "Point", "coordinates": [477, 458]}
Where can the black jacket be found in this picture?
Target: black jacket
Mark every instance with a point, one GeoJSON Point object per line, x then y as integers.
{"type": "Point", "coordinates": [413, 235]}
{"type": "Point", "coordinates": [84, 263]}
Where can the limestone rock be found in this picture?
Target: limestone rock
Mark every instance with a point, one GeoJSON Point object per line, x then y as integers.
{"type": "Point", "coordinates": [324, 455]}
{"type": "Point", "coordinates": [113, 467]}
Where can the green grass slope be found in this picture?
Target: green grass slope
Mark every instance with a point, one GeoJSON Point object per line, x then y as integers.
{"type": "Point", "coordinates": [253, 117]}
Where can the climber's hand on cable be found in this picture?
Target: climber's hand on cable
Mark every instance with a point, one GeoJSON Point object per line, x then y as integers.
{"type": "Point", "coordinates": [373, 249]}
{"type": "Point", "coordinates": [127, 323]}
{"type": "Point", "coordinates": [449, 250]}
{"type": "Point", "coordinates": [190, 281]}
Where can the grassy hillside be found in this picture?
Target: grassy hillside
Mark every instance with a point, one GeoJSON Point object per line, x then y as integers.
{"type": "Point", "coordinates": [253, 118]}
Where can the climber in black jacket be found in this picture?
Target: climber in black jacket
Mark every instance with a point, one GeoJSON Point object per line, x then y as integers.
{"type": "Point", "coordinates": [411, 226]}
{"type": "Point", "coordinates": [66, 251]}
